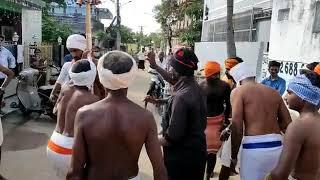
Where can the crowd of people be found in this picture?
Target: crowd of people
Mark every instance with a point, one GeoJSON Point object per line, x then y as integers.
{"type": "Point", "coordinates": [100, 132]}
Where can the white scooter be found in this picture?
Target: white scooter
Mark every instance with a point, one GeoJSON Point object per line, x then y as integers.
{"type": "Point", "coordinates": [33, 98]}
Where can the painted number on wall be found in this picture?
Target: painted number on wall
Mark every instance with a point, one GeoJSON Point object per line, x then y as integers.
{"type": "Point", "coordinates": [291, 68]}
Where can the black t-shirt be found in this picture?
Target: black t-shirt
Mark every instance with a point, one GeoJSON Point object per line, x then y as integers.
{"type": "Point", "coordinates": [187, 117]}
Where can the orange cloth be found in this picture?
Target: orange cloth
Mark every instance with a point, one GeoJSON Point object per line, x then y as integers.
{"type": "Point", "coordinates": [211, 68]}
{"type": "Point", "coordinates": [212, 131]}
{"type": "Point", "coordinates": [59, 149]}
{"type": "Point", "coordinates": [230, 63]}
{"type": "Point", "coordinates": [317, 69]}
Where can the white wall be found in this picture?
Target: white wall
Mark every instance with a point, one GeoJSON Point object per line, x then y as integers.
{"type": "Point", "coordinates": [31, 25]}
{"type": "Point", "coordinates": [251, 52]}
{"type": "Point", "coordinates": [292, 39]}
{"type": "Point", "coordinates": [218, 8]}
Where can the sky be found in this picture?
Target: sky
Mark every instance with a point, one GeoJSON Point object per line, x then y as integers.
{"type": "Point", "coordinates": [135, 14]}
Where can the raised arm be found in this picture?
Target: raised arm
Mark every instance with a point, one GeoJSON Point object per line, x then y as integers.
{"type": "Point", "coordinates": [154, 151]}
{"type": "Point", "coordinates": [79, 155]}
{"type": "Point", "coordinates": [165, 75]}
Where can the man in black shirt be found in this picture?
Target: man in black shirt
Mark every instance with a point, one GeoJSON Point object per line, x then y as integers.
{"type": "Point", "coordinates": [184, 141]}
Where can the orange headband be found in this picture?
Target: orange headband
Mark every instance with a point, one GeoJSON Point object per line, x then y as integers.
{"type": "Point", "coordinates": [317, 69]}
{"type": "Point", "coordinates": [211, 68]}
{"type": "Point", "coordinates": [230, 63]}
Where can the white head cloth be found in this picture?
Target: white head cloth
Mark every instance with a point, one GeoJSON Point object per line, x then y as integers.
{"type": "Point", "coordinates": [76, 41]}
{"type": "Point", "coordinates": [84, 78]}
{"type": "Point", "coordinates": [116, 81]}
{"type": "Point", "coordinates": [242, 71]}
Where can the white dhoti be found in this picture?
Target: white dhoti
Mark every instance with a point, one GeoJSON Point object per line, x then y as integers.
{"type": "Point", "coordinates": [59, 152]}
{"type": "Point", "coordinates": [136, 178]}
{"type": "Point", "coordinates": [225, 154]}
{"type": "Point", "coordinates": [259, 155]}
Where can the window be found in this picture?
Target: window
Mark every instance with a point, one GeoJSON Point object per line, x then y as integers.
{"type": "Point", "coordinates": [283, 14]}
{"type": "Point", "coordinates": [316, 24]}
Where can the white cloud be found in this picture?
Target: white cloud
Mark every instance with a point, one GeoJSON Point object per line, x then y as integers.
{"type": "Point", "coordinates": [135, 14]}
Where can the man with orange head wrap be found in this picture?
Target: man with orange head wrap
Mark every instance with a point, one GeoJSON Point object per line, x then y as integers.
{"type": "Point", "coordinates": [229, 64]}
{"type": "Point", "coordinates": [317, 69]}
{"type": "Point", "coordinates": [218, 111]}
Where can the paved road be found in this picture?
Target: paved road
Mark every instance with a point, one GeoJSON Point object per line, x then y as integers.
{"type": "Point", "coordinates": [24, 148]}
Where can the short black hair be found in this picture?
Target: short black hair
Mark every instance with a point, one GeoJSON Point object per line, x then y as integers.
{"type": "Point", "coordinates": [81, 66]}
{"type": "Point", "coordinates": [274, 64]}
{"type": "Point", "coordinates": [83, 34]}
{"type": "Point", "coordinates": [118, 62]}
{"type": "Point", "coordinates": [2, 36]}
{"type": "Point", "coordinates": [312, 65]}
{"type": "Point", "coordinates": [240, 60]}
{"type": "Point", "coordinates": [312, 76]}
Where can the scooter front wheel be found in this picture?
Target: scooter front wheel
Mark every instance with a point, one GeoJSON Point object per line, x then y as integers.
{"type": "Point", "coordinates": [24, 110]}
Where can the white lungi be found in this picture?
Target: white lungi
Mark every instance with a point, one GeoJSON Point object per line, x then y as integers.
{"type": "Point", "coordinates": [225, 154]}
{"type": "Point", "coordinates": [136, 178]}
{"type": "Point", "coordinates": [59, 152]}
{"type": "Point", "coordinates": [259, 155]}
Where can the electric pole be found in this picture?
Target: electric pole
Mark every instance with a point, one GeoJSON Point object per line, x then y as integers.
{"type": "Point", "coordinates": [118, 41]}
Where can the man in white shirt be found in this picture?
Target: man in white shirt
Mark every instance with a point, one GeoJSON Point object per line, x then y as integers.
{"type": "Point", "coordinates": [76, 44]}
{"type": "Point", "coordinates": [7, 60]}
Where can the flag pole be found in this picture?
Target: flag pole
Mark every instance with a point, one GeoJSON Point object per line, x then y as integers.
{"type": "Point", "coordinates": [88, 25]}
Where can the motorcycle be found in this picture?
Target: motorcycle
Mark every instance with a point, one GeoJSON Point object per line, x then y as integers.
{"type": "Point", "coordinates": [33, 98]}
{"type": "Point", "coordinates": [156, 89]}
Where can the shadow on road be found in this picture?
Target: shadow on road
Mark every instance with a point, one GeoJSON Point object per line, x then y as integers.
{"type": "Point", "coordinates": [22, 139]}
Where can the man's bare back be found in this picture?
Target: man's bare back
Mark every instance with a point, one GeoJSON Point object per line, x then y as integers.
{"type": "Point", "coordinates": [71, 99]}
{"type": "Point", "coordinates": [114, 131]}
{"type": "Point", "coordinates": [308, 162]}
{"type": "Point", "coordinates": [264, 111]}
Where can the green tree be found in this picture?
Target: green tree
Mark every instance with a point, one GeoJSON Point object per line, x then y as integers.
{"type": "Point", "coordinates": [52, 29]}
{"type": "Point", "coordinates": [194, 10]}
{"type": "Point", "coordinates": [167, 14]}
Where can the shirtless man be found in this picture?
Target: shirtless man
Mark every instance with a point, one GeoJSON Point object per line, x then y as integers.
{"type": "Point", "coordinates": [71, 98]}
{"type": "Point", "coordinates": [109, 134]}
{"type": "Point", "coordinates": [218, 113]}
{"type": "Point", "coordinates": [264, 115]}
{"type": "Point", "coordinates": [77, 46]}
{"type": "Point", "coordinates": [301, 151]}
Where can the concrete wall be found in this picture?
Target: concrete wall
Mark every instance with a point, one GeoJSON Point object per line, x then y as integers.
{"type": "Point", "coordinates": [292, 40]}
{"type": "Point", "coordinates": [263, 30]}
{"type": "Point", "coordinates": [31, 26]}
{"type": "Point", "coordinates": [251, 52]}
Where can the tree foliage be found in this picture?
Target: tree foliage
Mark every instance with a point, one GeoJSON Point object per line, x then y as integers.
{"type": "Point", "coordinates": [194, 10]}
{"type": "Point", "coordinates": [52, 29]}
{"type": "Point", "coordinates": [168, 13]}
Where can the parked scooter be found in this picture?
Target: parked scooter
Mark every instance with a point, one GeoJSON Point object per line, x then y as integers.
{"type": "Point", "coordinates": [33, 98]}
{"type": "Point", "coordinates": [156, 89]}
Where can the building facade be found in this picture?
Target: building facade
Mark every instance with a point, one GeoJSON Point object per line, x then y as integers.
{"type": "Point", "coordinates": [295, 35]}
{"type": "Point", "coordinates": [74, 15]}
{"type": "Point", "coordinates": [17, 16]}
{"type": "Point", "coordinates": [252, 20]}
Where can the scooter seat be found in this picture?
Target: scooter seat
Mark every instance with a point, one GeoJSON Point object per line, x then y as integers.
{"type": "Point", "coordinates": [48, 87]}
